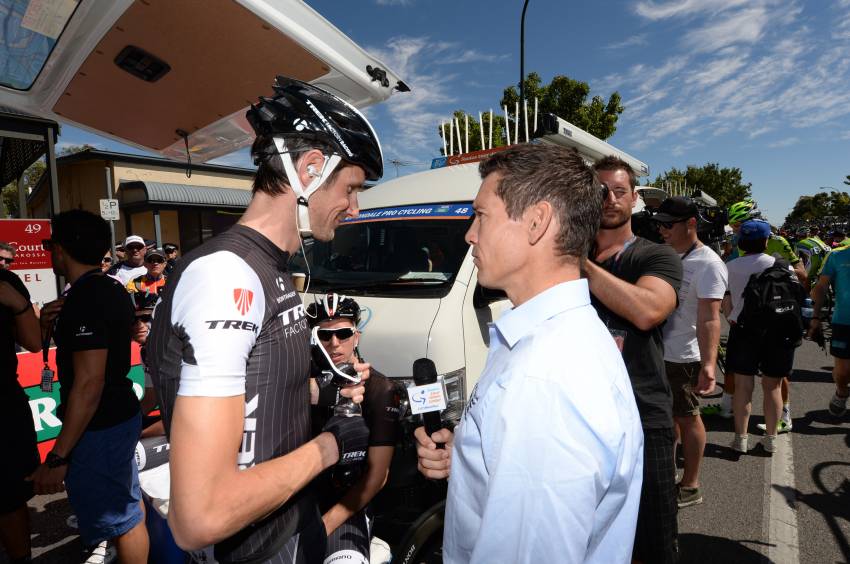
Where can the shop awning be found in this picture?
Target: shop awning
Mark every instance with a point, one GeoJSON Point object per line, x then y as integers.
{"type": "Point", "coordinates": [165, 194]}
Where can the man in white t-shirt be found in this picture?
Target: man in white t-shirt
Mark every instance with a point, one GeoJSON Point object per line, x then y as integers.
{"type": "Point", "coordinates": [691, 335]}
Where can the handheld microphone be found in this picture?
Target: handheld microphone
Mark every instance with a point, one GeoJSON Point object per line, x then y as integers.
{"type": "Point", "coordinates": [424, 373]}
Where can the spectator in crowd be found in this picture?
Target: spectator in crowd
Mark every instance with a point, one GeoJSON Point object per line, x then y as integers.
{"type": "Point", "coordinates": [7, 255]}
{"type": "Point", "coordinates": [691, 335]}
{"type": "Point", "coordinates": [779, 247]}
{"type": "Point", "coordinates": [120, 253]}
{"type": "Point", "coordinates": [836, 273]}
{"type": "Point", "coordinates": [133, 265]}
{"type": "Point", "coordinates": [151, 282]}
{"type": "Point", "coordinates": [748, 354]}
{"type": "Point", "coordinates": [546, 460]}
{"type": "Point", "coordinates": [171, 250]}
{"type": "Point", "coordinates": [106, 262]}
{"type": "Point", "coordinates": [634, 282]}
{"type": "Point", "coordinates": [94, 452]}
{"type": "Point", "coordinates": [344, 510]}
{"type": "Point", "coordinates": [18, 325]}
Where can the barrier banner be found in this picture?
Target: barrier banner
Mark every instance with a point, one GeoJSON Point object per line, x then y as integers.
{"type": "Point", "coordinates": [32, 262]}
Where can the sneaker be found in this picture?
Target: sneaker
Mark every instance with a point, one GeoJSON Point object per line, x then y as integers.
{"type": "Point", "coordinates": [688, 496]}
{"type": "Point", "coordinates": [716, 409]}
{"type": "Point", "coordinates": [781, 427]}
{"type": "Point", "coordinates": [739, 443]}
{"type": "Point", "coordinates": [769, 443]}
{"type": "Point", "coordinates": [838, 405]}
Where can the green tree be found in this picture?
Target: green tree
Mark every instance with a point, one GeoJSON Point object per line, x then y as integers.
{"type": "Point", "coordinates": [725, 185]}
{"type": "Point", "coordinates": [847, 180]}
{"type": "Point", "coordinates": [9, 193]}
{"type": "Point", "coordinates": [567, 99]}
{"type": "Point", "coordinates": [818, 206]}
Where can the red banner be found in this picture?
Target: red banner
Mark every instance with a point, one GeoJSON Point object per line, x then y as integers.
{"type": "Point", "coordinates": [26, 235]}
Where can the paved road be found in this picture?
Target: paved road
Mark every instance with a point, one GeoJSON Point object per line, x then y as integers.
{"type": "Point", "coordinates": [792, 507]}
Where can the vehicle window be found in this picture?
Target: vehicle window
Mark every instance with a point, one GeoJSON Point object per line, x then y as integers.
{"type": "Point", "coordinates": [31, 29]}
{"type": "Point", "coordinates": [415, 251]}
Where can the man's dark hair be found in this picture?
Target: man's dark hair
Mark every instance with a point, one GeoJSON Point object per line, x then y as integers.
{"type": "Point", "coordinates": [270, 177]}
{"type": "Point", "coordinates": [616, 163]}
{"type": "Point", "coordinates": [4, 246]}
{"type": "Point", "coordinates": [535, 173]}
{"type": "Point", "coordinates": [84, 235]}
{"type": "Point", "coordinates": [752, 246]}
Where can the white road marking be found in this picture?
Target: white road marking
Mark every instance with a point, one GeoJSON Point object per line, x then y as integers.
{"type": "Point", "coordinates": [781, 504]}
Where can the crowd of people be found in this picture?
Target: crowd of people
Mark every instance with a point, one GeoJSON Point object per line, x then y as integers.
{"type": "Point", "coordinates": [564, 456]}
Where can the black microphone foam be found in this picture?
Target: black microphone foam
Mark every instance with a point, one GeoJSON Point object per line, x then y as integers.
{"type": "Point", "coordinates": [424, 373]}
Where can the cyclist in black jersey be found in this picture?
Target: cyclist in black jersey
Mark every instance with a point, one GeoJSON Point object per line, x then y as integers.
{"type": "Point", "coordinates": [344, 511]}
{"type": "Point", "coordinates": [229, 355]}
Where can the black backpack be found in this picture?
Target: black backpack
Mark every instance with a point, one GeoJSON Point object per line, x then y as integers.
{"type": "Point", "coordinates": [773, 302]}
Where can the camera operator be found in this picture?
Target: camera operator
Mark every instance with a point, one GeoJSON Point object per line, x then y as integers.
{"type": "Point", "coordinates": [634, 283]}
{"type": "Point", "coordinates": [344, 511]}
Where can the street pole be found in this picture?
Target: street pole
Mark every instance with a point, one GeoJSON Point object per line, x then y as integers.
{"type": "Point", "coordinates": [111, 223]}
{"type": "Point", "coordinates": [522, 57]}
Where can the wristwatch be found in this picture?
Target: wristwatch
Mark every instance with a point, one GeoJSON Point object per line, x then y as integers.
{"type": "Point", "coordinates": [53, 460]}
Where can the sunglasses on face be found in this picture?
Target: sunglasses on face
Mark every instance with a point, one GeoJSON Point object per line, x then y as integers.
{"type": "Point", "coordinates": [341, 334]}
{"type": "Point", "coordinates": [7, 260]}
{"type": "Point", "coordinates": [670, 224]}
{"type": "Point", "coordinates": [155, 260]}
{"type": "Point", "coordinates": [134, 249]}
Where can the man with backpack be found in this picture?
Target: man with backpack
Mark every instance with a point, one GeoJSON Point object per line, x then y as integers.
{"type": "Point", "coordinates": [764, 310]}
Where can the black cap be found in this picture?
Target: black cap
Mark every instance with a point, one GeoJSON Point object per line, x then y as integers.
{"type": "Point", "coordinates": [170, 247]}
{"type": "Point", "coordinates": [676, 208]}
{"type": "Point", "coordinates": [155, 253]}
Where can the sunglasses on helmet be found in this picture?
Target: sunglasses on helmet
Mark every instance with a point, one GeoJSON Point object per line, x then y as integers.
{"type": "Point", "coordinates": [342, 334]}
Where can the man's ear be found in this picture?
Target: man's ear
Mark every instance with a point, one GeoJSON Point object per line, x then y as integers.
{"type": "Point", "coordinates": [538, 217]}
{"type": "Point", "coordinates": [310, 166]}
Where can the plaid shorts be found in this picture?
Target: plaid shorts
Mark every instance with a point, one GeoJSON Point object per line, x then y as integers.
{"type": "Point", "coordinates": [657, 529]}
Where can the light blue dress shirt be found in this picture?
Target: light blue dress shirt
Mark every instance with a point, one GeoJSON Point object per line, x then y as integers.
{"type": "Point", "coordinates": [548, 457]}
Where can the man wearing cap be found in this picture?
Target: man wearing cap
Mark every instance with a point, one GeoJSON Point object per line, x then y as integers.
{"type": "Point", "coordinates": [691, 334]}
{"type": "Point", "coordinates": [133, 264]}
{"type": "Point", "coordinates": [152, 281]}
{"type": "Point", "coordinates": [746, 357]}
{"type": "Point", "coordinates": [170, 257]}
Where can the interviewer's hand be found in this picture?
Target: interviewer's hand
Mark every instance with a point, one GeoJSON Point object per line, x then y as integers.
{"type": "Point", "coordinates": [434, 463]}
{"type": "Point", "coordinates": [357, 391]}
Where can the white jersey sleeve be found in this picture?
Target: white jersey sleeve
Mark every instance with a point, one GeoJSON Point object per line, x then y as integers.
{"type": "Point", "coordinates": [218, 310]}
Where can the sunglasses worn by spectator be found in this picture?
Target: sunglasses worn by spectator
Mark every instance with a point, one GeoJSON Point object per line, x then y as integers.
{"type": "Point", "coordinates": [8, 260]}
{"type": "Point", "coordinates": [135, 248]}
{"type": "Point", "coordinates": [341, 334]}
{"type": "Point", "coordinates": [670, 224]}
{"type": "Point", "coordinates": [155, 260]}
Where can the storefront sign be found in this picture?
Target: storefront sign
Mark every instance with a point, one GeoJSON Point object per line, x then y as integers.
{"type": "Point", "coordinates": [32, 262]}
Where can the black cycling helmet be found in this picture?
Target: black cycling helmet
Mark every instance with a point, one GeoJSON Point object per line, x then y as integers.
{"type": "Point", "coordinates": [333, 306]}
{"type": "Point", "coordinates": [299, 109]}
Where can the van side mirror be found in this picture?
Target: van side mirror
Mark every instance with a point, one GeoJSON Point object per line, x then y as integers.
{"type": "Point", "coordinates": [483, 297]}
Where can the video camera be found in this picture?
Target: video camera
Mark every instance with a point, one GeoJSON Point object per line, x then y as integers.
{"type": "Point", "coordinates": [712, 220]}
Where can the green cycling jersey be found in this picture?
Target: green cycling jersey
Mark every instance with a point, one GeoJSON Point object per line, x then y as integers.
{"type": "Point", "coordinates": [813, 252]}
{"type": "Point", "coordinates": [777, 246]}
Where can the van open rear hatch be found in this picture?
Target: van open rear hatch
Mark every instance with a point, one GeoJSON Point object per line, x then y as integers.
{"type": "Point", "coordinates": [140, 71]}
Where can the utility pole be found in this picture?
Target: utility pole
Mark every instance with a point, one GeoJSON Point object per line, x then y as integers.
{"type": "Point", "coordinates": [522, 57]}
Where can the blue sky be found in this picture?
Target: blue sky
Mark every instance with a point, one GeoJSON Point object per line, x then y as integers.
{"type": "Point", "coordinates": [763, 85]}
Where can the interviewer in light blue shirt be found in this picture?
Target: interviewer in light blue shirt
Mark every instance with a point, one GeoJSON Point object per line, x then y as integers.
{"type": "Point", "coordinates": [546, 462]}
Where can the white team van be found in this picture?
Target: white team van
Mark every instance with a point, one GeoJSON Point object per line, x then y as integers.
{"type": "Point", "coordinates": [405, 261]}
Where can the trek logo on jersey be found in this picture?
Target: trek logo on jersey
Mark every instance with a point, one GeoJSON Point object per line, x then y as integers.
{"type": "Point", "coordinates": [243, 299]}
{"type": "Point", "coordinates": [354, 455]}
{"type": "Point", "coordinates": [237, 324]}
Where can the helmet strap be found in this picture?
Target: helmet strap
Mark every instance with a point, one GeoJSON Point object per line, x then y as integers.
{"type": "Point", "coordinates": [303, 194]}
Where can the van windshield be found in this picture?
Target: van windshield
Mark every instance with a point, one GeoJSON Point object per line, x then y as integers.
{"type": "Point", "coordinates": [411, 250]}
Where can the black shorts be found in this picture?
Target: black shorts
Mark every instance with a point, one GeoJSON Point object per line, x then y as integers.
{"type": "Point", "coordinates": [747, 355]}
{"type": "Point", "coordinates": [21, 456]}
{"type": "Point", "coordinates": [839, 345]}
{"type": "Point", "coordinates": [684, 378]}
{"type": "Point", "coordinates": [657, 529]}
{"type": "Point", "coordinates": [350, 541]}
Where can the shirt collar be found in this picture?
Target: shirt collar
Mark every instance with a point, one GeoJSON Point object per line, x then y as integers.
{"type": "Point", "coordinates": [520, 321]}
{"type": "Point", "coordinates": [265, 244]}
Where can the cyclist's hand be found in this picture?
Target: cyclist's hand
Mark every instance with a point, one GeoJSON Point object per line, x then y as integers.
{"type": "Point", "coordinates": [352, 438]}
{"type": "Point", "coordinates": [434, 463]}
{"type": "Point", "coordinates": [706, 381]}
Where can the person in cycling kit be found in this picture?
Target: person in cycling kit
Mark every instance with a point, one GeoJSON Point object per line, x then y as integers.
{"type": "Point", "coordinates": [230, 356]}
{"type": "Point", "coordinates": [812, 250]}
{"type": "Point", "coordinates": [344, 510]}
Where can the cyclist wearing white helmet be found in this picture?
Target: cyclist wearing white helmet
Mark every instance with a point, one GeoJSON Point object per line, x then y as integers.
{"type": "Point", "coordinates": [344, 506]}
{"type": "Point", "coordinates": [230, 353]}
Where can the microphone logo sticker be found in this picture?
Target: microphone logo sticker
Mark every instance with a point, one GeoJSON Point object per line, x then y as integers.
{"type": "Point", "coordinates": [243, 299]}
